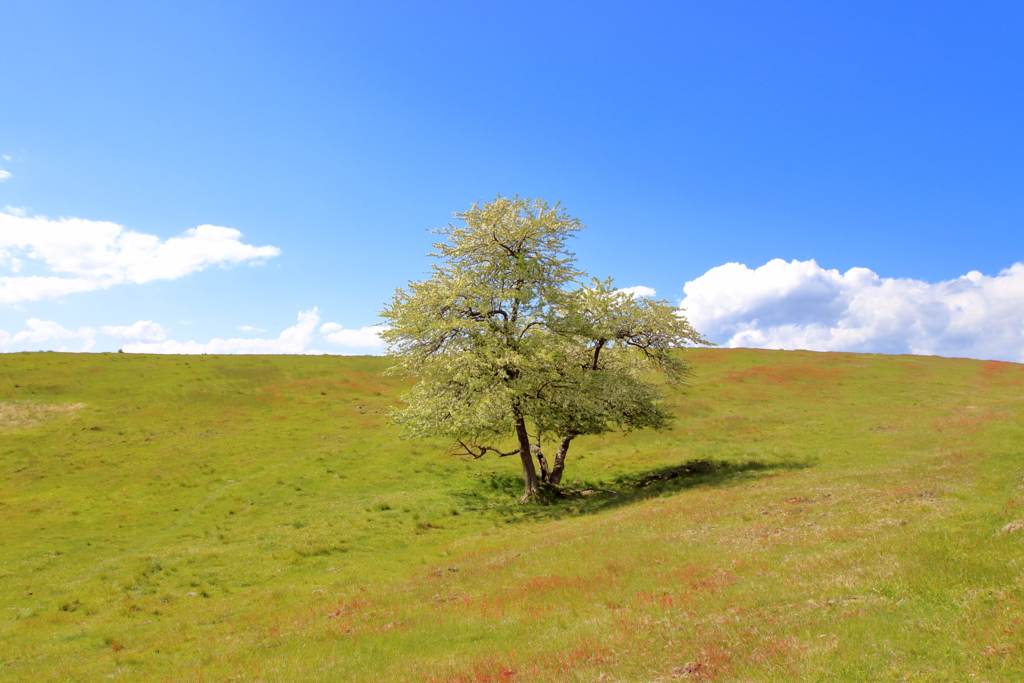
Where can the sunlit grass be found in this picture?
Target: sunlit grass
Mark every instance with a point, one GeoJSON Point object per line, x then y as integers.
{"type": "Point", "coordinates": [810, 517]}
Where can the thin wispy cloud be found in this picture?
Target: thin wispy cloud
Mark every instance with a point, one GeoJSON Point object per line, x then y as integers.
{"type": "Point", "coordinates": [82, 255]}
{"type": "Point", "coordinates": [4, 175]}
{"type": "Point", "coordinates": [142, 331]}
{"type": "Point", "coordinates": [800, 305]}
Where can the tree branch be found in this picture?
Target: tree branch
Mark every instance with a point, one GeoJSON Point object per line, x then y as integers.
{"type": "Point", "coordinates": [526, 328]}
{"type": "Point", "coordinates": [483, 451]}
{"type": "Point", "coordinates": [597, 352]}
{"type": "Point", "coordinates": [504, 246]}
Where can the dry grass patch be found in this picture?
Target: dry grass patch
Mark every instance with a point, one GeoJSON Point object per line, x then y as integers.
{"type": "Point", "coordinates": [24, 414]}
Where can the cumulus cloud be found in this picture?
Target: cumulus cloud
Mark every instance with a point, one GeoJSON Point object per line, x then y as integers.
{"type": "Point", "coordinates": [87, 255]}
{"type": "Point", "coordinates": [299, 338]}
{"type": "Point", "coordinates": [363, 338]}
{"type": "Point", "coordinates": [295, 339]}
{"type": "Point", "coordinates": [639, 290]}
{"type": "Point", "coordinates": [148, 336]}
{"type": "Point", "coordinates": [45, 332]}
{"type": "Point", "coordinates": [800, 305]}
{"type": "Point", "coordinates": [143, 331]}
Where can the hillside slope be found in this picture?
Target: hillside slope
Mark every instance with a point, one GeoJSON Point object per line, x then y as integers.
{"type": "Point", "coordinates": [810, 517]}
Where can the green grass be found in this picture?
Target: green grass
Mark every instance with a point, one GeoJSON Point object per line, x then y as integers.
{"type": "Point", "coordinates": [816, 517]}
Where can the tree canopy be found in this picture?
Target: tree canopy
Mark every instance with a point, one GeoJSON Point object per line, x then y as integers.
{"type": "Point", "coordinates": [609, 341]}
{"type": "Point", "coordinates": [505, 335]}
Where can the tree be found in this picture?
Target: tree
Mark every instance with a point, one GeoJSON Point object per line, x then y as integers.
{"type": "Point", "coordinates": [609, 340]}
{"type": "Point", "coordinates": [502, 336]}
{"type": "Point", "coordinates": [477, 332]}
{"type": "Point", "coordinates": [595, 402]}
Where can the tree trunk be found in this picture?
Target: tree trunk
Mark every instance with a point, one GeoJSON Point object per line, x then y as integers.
{"type": "Point", "coordinates": [529, 473]}
{"type": "Point", "coordinates": [556, 471]}
{"type": "Point", "coordinates": [542, 461]}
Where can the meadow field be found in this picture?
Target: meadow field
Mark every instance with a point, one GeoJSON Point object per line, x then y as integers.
{"type": "Point", "coordinates": [810, 517]}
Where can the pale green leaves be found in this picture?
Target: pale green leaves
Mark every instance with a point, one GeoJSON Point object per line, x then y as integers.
{"type": "Point", "coordinates": [506, 329]}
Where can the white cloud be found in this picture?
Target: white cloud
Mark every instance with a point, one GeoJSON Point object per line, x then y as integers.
{"type": "Point", "coordinates": [4, 175]}
{"type": "Point", "coordinates": [87, 255]}
{"type": "Point", "coordinates": [35, 287]}
{"type": "Point", "coordinates": [143, 331]}
{"type": "Point", "coordinates": [296, 339]}
{"type": "Point", "coordinates": [44, 331]}
{"type": "Point", "coordinates": [15, 210]}
{"type": "Point", "coordinates": [147, 336]}
{"type": "Point", "coordinates": [250, 328]}
{"type": "Point", "coordinates": [639, 290]}
{"type": "Point", "coordinates": [9, 260]}
{"type": "Point", "coordinates": [363, 338]}
{"type": "Point", "coordinates": [799, 305]}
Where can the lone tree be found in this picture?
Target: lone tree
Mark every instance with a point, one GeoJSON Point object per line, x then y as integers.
{"type": "Point", "coordinates": [502, 336]}
{"type": "Point", "coordinates": [609, 340]}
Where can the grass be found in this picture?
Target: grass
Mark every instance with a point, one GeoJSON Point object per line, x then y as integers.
{"type": "Point", "coordinates": [818, 517]}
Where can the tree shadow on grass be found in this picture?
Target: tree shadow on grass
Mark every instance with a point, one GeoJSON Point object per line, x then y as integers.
{"type": "Point", "coordinates": [498, 492]}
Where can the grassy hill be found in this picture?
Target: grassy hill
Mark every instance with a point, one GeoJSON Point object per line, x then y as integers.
{"type": "Point", "coordinates": [818, 517]}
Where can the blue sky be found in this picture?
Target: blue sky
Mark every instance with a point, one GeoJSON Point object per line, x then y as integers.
{"type": "Point", "coordinates": [686, 136]}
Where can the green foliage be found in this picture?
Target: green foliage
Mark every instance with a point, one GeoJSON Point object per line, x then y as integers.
{"type": "Point", "coordinates": [608, 342]}
{"type": "Point", "coordinates": [477, 333]}
{"type": "Point", "coordinates": [503, 334]}
{"type": "Point", "coordinates": [616, 331]}
{"type": "Point", "coordinates": [589, 401]}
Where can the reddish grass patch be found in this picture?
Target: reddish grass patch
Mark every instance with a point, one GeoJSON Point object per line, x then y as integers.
{"type": "Point", "coordinates": [1006, 374]}
{"type": "Point", "coordinates": [488, 670]}
{"type": "Point", "coordinates": [712, 662]}
{"type": "Point", "coordinates": [776, 375]}
{"type": "Point", "coordinates": [586, 655]}
{"type": "Point", "coordinates": [967, 421]}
